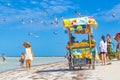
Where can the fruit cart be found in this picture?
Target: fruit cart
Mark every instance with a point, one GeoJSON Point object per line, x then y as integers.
{"type": "Point", "coordinates": [117, 38]}
{"type": "Point", "coordinates": [81, 53]}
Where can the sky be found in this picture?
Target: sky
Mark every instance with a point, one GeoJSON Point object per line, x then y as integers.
{"type": "Point", "coordinates": [35, 21]}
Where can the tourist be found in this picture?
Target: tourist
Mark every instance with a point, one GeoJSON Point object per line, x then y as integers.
{"type": "Point", "coordinates": [109, 49]}
{"type": "Point", "coordinates": [28, 55]}
{"type": "Point", "coordinates": [103, 50]}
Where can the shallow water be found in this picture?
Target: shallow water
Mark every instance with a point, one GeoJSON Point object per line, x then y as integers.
{"type": "Point", "coordinates": [13, 62]}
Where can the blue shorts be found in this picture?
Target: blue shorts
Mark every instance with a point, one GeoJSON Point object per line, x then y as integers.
{"type": "Point", "coordinates": [22, 61]}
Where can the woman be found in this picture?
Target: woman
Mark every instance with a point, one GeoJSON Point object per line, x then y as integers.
{"type": "Point", "coordinates": [103, 50]}
{"type": "Point", "coordinates": [109, 48]}
{"type": "Point", "coordinates": [118, 50]}
{"type": "Point", "coordinates": [22, 59]}
{"type": "Point", "coordinates": [29, 55]}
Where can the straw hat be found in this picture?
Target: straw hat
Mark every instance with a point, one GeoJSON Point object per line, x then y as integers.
{"type": "Point", "coordinates": [26, 43]}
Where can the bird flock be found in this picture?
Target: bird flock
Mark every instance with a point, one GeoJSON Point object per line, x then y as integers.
{"type": "Point", "coordinates": [55, 21]}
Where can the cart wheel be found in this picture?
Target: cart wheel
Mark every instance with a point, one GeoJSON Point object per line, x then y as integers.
{"type": "Point", "coordinates": [80, 67]}
{"type": "Point", "coordinates": [93, 66]}
{"type": "Point", "coordinates": [70, 66]}
{"type": "Point", "coordinates": [73, 68]}
{"type": "Point", "coordinates": [89, 66]}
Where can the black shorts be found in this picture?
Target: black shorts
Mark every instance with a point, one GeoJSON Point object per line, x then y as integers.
{"type": "Point", "coordinates": [102, 52]}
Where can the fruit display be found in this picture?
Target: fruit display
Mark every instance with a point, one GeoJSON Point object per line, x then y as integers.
{"type": "Point", "coordinates": [82, 53]}
{"type": "Point", "coordinates": [82, 44]}
{"type": "Point", "coordinates": [117, 37]}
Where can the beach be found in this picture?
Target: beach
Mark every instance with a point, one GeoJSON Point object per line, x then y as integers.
{"type": "Point", "coordinates": [60, 71]}
{"type": "Point", "coordinates": [13, 62]}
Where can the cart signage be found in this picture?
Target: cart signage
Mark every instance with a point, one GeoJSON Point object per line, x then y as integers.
{"type": "Point", "coordinates": [79, 21]}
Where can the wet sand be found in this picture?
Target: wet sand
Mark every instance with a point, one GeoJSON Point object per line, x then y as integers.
{"type": "Point", "coordinates": [60, 71]}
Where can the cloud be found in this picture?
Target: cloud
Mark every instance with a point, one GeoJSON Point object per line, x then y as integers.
{"type": "Point", "coordinates": [56, 6]}
{"type": "Point", "coordinates": [34, 2]}
{"type": "Point", "coordinates": [107, 15]}
{"type": "Point", "coordinates": [27, 12]}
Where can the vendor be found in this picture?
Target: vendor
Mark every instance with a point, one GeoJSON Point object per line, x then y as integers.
{"type": "Point", "coordinates": [92, 40]}
{"type": "Point", "coordinates": [72, 39]}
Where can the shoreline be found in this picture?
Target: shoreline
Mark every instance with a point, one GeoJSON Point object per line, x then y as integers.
{"type": "Point", "coordinates": [13, 62]}
{"type": "Point", "coordinates": [31, 66]}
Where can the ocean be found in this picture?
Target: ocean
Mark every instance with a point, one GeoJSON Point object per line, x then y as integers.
{"type": "Point", "coordinates": [13, 62]}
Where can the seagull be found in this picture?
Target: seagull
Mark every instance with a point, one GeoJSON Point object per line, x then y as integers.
{"type": "Point", "coordinates": [51, 23]}
{"type": "Point", "coordinates": [55, 20]}
{"type": "Point", "coordinates": [55, 33]}
{"type": "Point", "coordinates": [78, 13]}
{"type": "Point", "coordinates": [30, 33]}
{"type": "Point", "coordinates": [42, 22]}
{"type": "Point", "coordinates": [113, 15]}
{"type": "Point", "coordinates": [23, 22]}
{"type": "Point", "coordinates": [4, 19]}
{"type": "Point", "coordinates": [36, 36]}
{"type": "Point", "coordinates": [17, 17]}
{"type": "Point", "coordinates": [31, 21]}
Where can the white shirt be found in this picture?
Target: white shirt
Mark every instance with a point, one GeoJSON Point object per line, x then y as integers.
{"type": "Point", "coordinates": [28, 54]}
{"type": "Point", "coordinates": [103, 46]}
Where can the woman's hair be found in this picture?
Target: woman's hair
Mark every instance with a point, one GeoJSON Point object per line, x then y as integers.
{"type": "Point", "coordinates": [108, 35]}
{"type": "Point", "coordinates": [26, 44]}
{"type": "Point", "coordinates": [103, 38]}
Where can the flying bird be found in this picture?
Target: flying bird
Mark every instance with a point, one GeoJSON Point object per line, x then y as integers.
{"type": "Point", "coordinates": [17, 17]}
{"type": "Point", "coordinates": [55, 33]}
{"type": "Point", "coordinates": [51, 23]}
{"type": "Point", "coordinates": [23, 21]}
{"type": "Point", "coordinates": [56, 20]}
{"type": "Point", "coordinates": [4, 19]}
{"type": "Point", "coordinates": [78, 13]}
{"type": "Point", "coordinates": [42, 22]}
{"type": "Point", "coordinates": [30, 33]}
{"type": "Point", "coordinates": [36, 36]}
{"type": "Point", "coordinates": [113, 15]}
{"type": "Point", "coordinates": [31, 21]}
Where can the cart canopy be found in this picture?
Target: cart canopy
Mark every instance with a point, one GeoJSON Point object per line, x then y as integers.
{"type": "Point", "coordinates": [80, 21]}
{"type": "Point", "coordinates": [80, 25]}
